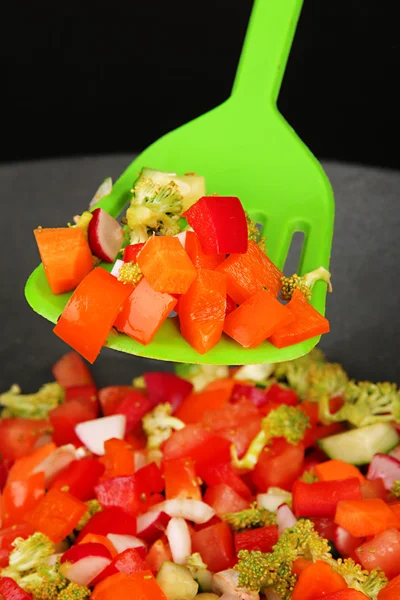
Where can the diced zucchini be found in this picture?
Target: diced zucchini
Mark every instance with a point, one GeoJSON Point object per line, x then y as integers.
{"type": "Point", "coordinates": [176, 582]}
{"type": "Point", "coordinates": [358, 446]}
{"type": "Point", "coordinates": [192, 187]}
{"type": "Point", "coordinates": [204, 579]}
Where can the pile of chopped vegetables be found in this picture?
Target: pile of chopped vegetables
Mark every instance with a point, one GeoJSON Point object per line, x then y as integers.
{"type": "Point", "coordinates": [179, 253]}
{"type": "Point", "coordinates": [278, 481]}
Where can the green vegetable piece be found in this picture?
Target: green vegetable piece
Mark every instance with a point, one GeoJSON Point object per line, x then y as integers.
{"type": "Point", "coordinates": [305, 283]}
{"type": "Point", "coordinates": [250, 518]}
{"type": "Point", "coordinates": [31, 406]}
{"type": "Point", "coordinates": [176, 582]}
{"type": "Point", "coordinates": [159, 424]}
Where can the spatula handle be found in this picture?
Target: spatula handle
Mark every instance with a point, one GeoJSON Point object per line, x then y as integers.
{"type": "Point", "coordinates": [266, 49]}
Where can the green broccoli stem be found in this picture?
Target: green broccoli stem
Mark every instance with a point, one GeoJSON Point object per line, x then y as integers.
{"type": "Point", "coordinates": [252, 455]}
{"type": "Point", "coordinates": [320, 274]}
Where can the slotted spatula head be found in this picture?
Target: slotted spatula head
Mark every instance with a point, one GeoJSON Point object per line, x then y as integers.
{"type": "Point", "coordinates": [244, 148]}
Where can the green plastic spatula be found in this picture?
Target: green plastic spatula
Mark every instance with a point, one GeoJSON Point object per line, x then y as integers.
{"type": "Point", "coordinates": [244, 148]}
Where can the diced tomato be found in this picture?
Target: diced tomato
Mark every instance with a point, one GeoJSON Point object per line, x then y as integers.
{"type": "Point", "coordinates": [4, 558]}
{"type": "Point", "coordinates": [204, 447]}
{"type": "Point", "coordinates": [65, 417]}
{"type": "Point", "coordinates": [278, 394]}
{"type": "Point", "coordinates": [239, 423]}
{"type": "Point", "coordinates": [325, 527]}
{"type": "Point", "coordinates": [181, 479]}
{"type": "Point", "coordinates": [19, 436]}
{"type": "Point", "coordinates": [196, 405]}
{"type": "Point", "coordinates": [70, 371]}
{"type": "Point", "coordinates": [110, 520]}
{"type": "Point", "coordinates": [9, 534]}
{"type": "Point", "coordinates": [248, 392]}
{"type": "Point", "coordinates": [224, 499]}
{"type": "Point", "coordinates": [213, 475]}
{"type": "Point", "coordinates": [391, 591]}
{"type": "Point", "coordinates": [262, 538]}
{"type": "Point", "coordinates": [382, 552]}
{"type": "Point", "coordinates": [89, 392]}
{"type": "Point", "coordinates": [79, 478]}
{"type": "Point", "coordinates": [134, 406]}
{"type": "Point", "coordinates": [374, 489]}
{"type": "Point", "coordinates": [10, 590]}
{"type": "Point", "coordinates": [215, 545]}
{"type": "Point", "coordinates": [157, 554]}
{"type": "Point", "coordinates": [4, 468]}
{"type": "Point", "coordinates": [279, 465]}
{"type": "Point", "coordinates": [121, 492]}
{"type": "Point", "coordinates": [317, 579]}
{"type": "Point", "coordinates": [167, 387]}
{"type": "Point", "coordinates": [21, 496]}
{"type": "Point", "coordinates": [110, 397]}
{"type": "Point", "coordinates": [128, 561]}
{"type": "Point", "coordinates": [320, 499]}
{"type": "Point", "coordinates": [149, 479]}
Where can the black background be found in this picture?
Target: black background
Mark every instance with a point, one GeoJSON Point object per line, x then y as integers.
{"type": "Point", "coordinates": [100, 77]}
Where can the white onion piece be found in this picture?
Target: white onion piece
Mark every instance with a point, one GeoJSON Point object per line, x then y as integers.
{"type": "Point", "coordinates": [104, 190]}
{"type": "Point", "coordinates": [124, 542]}
{"type": "Point", "coordinates": [285, 518]}
{"type": "Point", "coordinates": [116, 267]}
{"type": "Point", "coordinates": [55, 462]}
{"type": "Point", "coordinates": [273, 498]}
{"type": "Point", "coordinates": [227, 582]}
{"type": "Point", "coordinates": [94, 433]}
{"type": "Point", "coordinates": [179, 540]}
{"type": "Point", "coordinates": [83, 571]}
{"type": "Point", "coordinates": [192, 510]}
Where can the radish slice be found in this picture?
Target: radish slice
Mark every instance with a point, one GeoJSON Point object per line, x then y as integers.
{"type": "Point", "coordinates": [227, 582]}
{"type": "Point", "coordinates": [395, 452]}
{"type": "Point", "coordinates": [124, 542]}
{"type": "Point", "coordinates": [192, 510]}
{"type": "Point", "coordinates": [383, 466]}
{"type": "Point", "coordinates": [273, 499]}
{"type": "Point", "coordinates": [80, 551]}
{"type": "Point", "coordinates": [151, 525]}
{"type": "Point", "coordinates": [58, 460]}
{"type": "Point", "coordinates": [84, 570]}
{"type": "Point", "coordinates": [105, 235]}
{"type": "Point", "coordinates": [104, 190]}
{"type": "Point", "coordinates": [117, 265]}
{"type": "Point", "coordinates": [285, 518]}
{"type": "Point", "coordinates": [345, 543]}
{"type": "Point", "coordinates": [94, 433]}
{"type": "Point", "coordinates": [179, 540]}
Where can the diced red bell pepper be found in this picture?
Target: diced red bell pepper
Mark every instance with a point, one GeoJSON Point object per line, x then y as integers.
{"type": "Point", "coordinates": [325, 527]}
{"type": "Point", "coordinates": [215, 545]}
{"type": "Point", "coordinates": [224, 499]}
{"type": "Point", "coordinates": [251, 392]}
{"type": "Point", "coordinates": [166, 265]}
{"type": "Point", "coordinates": [374, 489]}
{"type": "Point", "coordinates": [149, 479]}
{"type": "Point", "coordinates": [195, 406]}
{"type": "Point", "coordinates": [215, 474]}
{"type": "Point", "coordinates": [110, 520]}
{"type": "Point", "coordinates": [204, 447]}
{"type": "Point", "coordinates": [202, 310]}
{"type": "Point", "coordinates": [247, 274]}
{"type": "Point", "coordinates": [70, 371]}
{"type": "Point", "coordinates": [181, 480]}
{"type": "Point", "coordinates": [10, 590]}
{"type": "Point", "coordinates": [91, 311]}
{"type": "Point", "coordinates": [347, 594]}
{"type": "Point", "coordinates": [320, 499]}
{"type": "Point", "coordinates": [121, 492]}
{"type": "Point", "coordinates": [230, 305]}
{"type": "Point", "coordinates": [262, 538]}
{"type": "Point", "coordinates": [79, 478]}
{"type": "Point", "coordinates": [382, 552]}
{"type": "Point", "coordinates": [131, 251]}
{"type": "Point", "coordinates": [66, 416]}
{"type": "Point", "coordinates": [200, 259]}
{"type": "Point", "coordinates": [124, 586]}
{"type": "Point", "coordinates": [363, 518]}
{"type": "Point", "coordinates": [220, 224]}
{"type": "Point", "coordinates": [144, 312]}
{"type": "Point", "coordinates": [134, 406]}
{"type": "Point", "coordinates": [128, 561]}
{"type": "Point", "coordinates": [167, 387]}
{"type": "Point", "coordinates": [317, 579]}
{"type": "Point", "coordinates": [157, 554]}
{"type": "Point", "coordinates": [279, 465]}
{"type": "Point", "coordinates": [4, 558]}
{"type": "Point", "coordinates": [56, 515]}
{"type": "Point", "coordinates": [19, 436]}
{"type": "Point", "coordinates": [21, 496]}
{"type": "Point", "coordinates": [391, 591]}
{"type": "Point", "coordinates": [256, 319]}
{"type": "Point", "coordinates": [277, 394]}
{"type": "Point", "coordinates": [111, 396]}
{"type": "Point", "coordinates": [118, 458]}
{"type": "Point", "coordinates": [308, 323]}
{"type": "Point", "coordinates": [89, 392]}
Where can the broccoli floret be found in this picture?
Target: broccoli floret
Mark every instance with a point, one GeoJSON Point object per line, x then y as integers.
{"type": "Point", "coordinates": [285, 421]}
{"type": "Point", "coordinates": [255, 373]}
{"type": "Point", "coordinates": [94, 507]}
{"type": "Point", "coordinates": [250, 518]}
{"type": "Point", "coordinates": [27, 554]}
{"type": "Point", "coordinates": [308, 476]}
{"type": "Point", "coordinates": [73, 591]}
{"type": "Point", "coordinates": [45, 583]}
{"type": "Point", "coordinates": [82, 221]}
{"type": "Point", "coordinates": [305, 283]}
{"type": "Point", "coordinates": [154, 207]}
{"type": "Point", "coordinates": [259, 570]}
{"type": "Point", "coordinates": [139, 383]}
{"type": "Point", "coordinates": [130, 273]}
{"type": "Point", "coordinates": [254, 233]}
{"type": "Point", "coordinates": [201, 375]}
{"type": "Point", "coordinates": [296, 372]}
{"type": "Point", "coordinates": [326, 380]}
{"type": "Point", "coordinates": [194, 562]}
{"type": "Point", "coordinates": [159, 424]}
{"type": "Point", "coordinates": [369, 583]}
{"type": "Point", "coordinates": [31, 406]}
{"type": "Point", "coordinates": [396, 488]}
{"type": "Point", "coordinates": [365, 403]}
